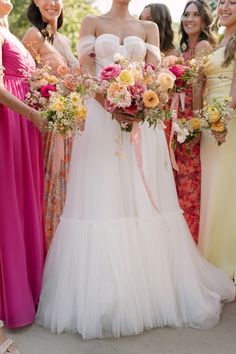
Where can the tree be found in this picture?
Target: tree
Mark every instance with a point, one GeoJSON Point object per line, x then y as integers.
{"type": "Point", "coordinates": [74, 12]}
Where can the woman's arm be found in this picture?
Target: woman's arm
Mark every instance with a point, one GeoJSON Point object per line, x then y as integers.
{"type": "Point", "coordinates": [11, 101]}
{"type": "Point", "coordinates": [152, 38]}
{"type": "Point", "coordinates": [33, 40]}
{"type": "Point", "coordinates": [233, 89]}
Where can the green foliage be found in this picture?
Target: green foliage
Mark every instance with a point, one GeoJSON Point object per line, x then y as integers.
{"type": "Point", "coordinates": [74, 12]}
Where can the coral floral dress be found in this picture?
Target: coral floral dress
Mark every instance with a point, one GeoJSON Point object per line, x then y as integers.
{"type": "Point", "coordinates": [188, 179]}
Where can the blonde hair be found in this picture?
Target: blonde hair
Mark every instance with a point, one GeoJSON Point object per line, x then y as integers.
{"type": "Point", "coordinates": [229, 51]}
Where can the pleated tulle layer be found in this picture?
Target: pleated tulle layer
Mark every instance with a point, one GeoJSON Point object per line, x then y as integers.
{"type": "Point", "coordinates": [120, 277]}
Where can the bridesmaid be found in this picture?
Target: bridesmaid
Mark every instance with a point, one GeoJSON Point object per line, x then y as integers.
{"type": "Point", "coordinates": [22, 246]}
{"type": "Point", "coordinates": [46, 44]}
{"type": "Point", "coordinates": [196, 40]}
{"type": "Point", "coordinates": [217, 238]}
{"type": "Point", "coordinates": [160, 14]}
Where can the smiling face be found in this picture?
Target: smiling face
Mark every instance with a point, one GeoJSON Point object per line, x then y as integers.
{"type": "Point", "coordinates": [5, 7]}
{"type": "Point", "coordinates": [191, 20]}
{"type": "Point", "coordinates": [49, 9]}
{"type": "Point", "coordinates": [227, 13]}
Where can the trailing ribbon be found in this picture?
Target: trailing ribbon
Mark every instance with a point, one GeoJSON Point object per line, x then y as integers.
{"type": "Point", "coordinates": [136, 140]}
{"type": "Point", "coordinates": [178, 99]}
{"type": "Point", "coordinates": [58, 152]}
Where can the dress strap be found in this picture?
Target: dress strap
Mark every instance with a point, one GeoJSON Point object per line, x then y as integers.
{"type": "Point", "coordinates": [85, 47]}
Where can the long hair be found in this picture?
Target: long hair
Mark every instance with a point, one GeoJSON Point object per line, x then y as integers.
{"type": "Point", "coordinates": [160, 14]}
{"type": "Point", "coordinates": [207, 20]}
{"type": "Point", "coordinates": [229, 52]}
{"type": "Point", "coordinates": [35, 17]}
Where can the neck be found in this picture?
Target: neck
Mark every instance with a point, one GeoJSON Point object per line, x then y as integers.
{"type": "Point", "coordinates": [120, 11]}
{"type": "Point", "coordinates": [229, 32]}
{"type": "Point", "coordinates": [53, 26]}
{"type": "Point", "coordinates": [3, 21]}
{"type": "Point", "coordinates": [192, 40]}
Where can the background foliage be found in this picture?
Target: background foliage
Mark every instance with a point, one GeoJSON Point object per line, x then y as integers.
{"type": "Point", "coordinates": [74, 11]}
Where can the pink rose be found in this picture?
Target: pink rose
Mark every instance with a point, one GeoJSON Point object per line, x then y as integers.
{"type": "Point", "coordinates": [45, 90]}
{"type": "Point", "coordinates": [177, 70]}
{"type": "Point", "coordinates": [110, 72]}
{"type": "Point", "coordinates": [132, 109]}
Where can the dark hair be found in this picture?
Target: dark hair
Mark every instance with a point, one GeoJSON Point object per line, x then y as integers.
{"type": "Point", "coordinates": [35, 17]}
{"type": "Point", "coordinates": [160, 14]}
{"type": "Point", "coordinates": [206, 30]}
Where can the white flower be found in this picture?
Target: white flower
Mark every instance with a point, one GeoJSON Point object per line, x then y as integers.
{"type": "Point", "coordinates": [118, 57]}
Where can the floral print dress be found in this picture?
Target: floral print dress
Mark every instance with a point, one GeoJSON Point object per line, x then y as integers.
{"type": "Point", "coordinates": [188, 178]}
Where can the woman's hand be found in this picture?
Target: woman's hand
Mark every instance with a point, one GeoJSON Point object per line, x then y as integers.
{"type": "Point", "coordinates": [38, 120]}
{"type": "Point", "coordinates": [190, 145]}
{"type": "Point", "coordinates": [124, 118]}
{"type": "Point", "coordinates": [220, 136]}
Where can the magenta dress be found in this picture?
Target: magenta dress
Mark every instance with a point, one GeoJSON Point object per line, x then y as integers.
{"type": "Point", "coordinates": [22, 245]}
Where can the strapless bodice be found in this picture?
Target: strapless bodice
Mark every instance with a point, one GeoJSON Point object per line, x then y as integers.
{"type": "Point", "coordinates": [107, 45]}
{"type": "Point", "coordinates": [218, 78]}
{"type": "Point", "coordinates": [16, 59]}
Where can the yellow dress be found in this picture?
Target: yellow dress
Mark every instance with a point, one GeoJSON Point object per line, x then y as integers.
{"type": "Point", "coordinates": [217, 239]}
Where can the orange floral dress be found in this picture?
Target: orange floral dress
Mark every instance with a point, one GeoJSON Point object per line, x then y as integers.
{"type": "Point", "coordinates": [188, 179]}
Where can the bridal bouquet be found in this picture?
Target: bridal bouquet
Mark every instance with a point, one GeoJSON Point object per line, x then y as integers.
{"type": "Point", "coordinates": [184, 71]}
{"type": "Point", "coordinates": [136, 89]}
{"type": "Point", "coordinates": [61, 99]}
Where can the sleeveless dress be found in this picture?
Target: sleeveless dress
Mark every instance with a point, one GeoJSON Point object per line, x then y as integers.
{"type": "Point", "coordinates": [56, 180]}
{"type": "Point", "coordinates": [217, 239]}
{"type": "Point", "coordinates": [116, 266]}
{"type": "Point", "coordinates": [22, 244]}
{"type": "Point", "coordinates": [188, 179]}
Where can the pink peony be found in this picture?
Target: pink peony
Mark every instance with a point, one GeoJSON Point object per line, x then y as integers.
{"type": "Point", "coordinates": [45, 90]}
{"type": "Point", "coordinates": [177, 70]}
{"type": "Point", "coordinates": [137, 90]}
{"type": "Point", "coordinates": [110, 72]}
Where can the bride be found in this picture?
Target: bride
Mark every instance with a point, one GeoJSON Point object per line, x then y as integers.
{"type": "Point", "coordinates": [116, 266]}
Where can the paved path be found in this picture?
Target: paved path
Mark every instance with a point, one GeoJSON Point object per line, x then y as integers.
{"type": "Point", "coordinates": [219, 340]}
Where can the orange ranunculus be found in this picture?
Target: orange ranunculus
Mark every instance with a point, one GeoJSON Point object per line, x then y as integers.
{"type": "Point", "coordinates": [218, 127]}
{"type": "Point", "coordinates": [214, 114]}
{"type": "Point", "coordinates": [150, 99]}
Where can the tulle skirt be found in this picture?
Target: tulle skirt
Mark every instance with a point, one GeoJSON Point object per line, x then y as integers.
{"type": "Point", "coordinates": [118, 266]}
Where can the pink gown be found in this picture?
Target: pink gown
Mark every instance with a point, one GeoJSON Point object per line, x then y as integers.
{"type": "Point", "coordinates": [22, 245]}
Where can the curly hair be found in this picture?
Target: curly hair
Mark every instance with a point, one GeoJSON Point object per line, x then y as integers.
{"type": "Point", "coordinates": [160, 14]}
{"type": "Point", "coordinates": [35, 17]}
{"type": "Point", "coordinates": [206, 29]}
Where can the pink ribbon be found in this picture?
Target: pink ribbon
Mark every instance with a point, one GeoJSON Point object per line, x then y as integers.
{"type": "Point", "coordinates": [178, 98]}
{"type": "Point", "coordinates": [136, 140]}
{"type": "Point", "coordinates": [58, 152]}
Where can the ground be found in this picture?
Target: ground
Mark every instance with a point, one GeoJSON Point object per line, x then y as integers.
{"type": "Point", "coordinates": [219, 340]}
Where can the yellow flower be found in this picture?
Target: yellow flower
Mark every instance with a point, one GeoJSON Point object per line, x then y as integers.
{"type": "Point", "coordinates": [218, 127]}
{"type": "Point", "coordinates": [126, 77]}
{"type": "Point", "coordinates": [150, 99]}
{"type": "Point", "coordinates": [57, 106]}
{"type": "Point", "coordinates": [214, 114]}
{"type": "Point", "coordinates": [52, 79]}
{"type": "Point", "coordinates": [166, 81]}
{"type": "Point", "coordinates": [81, 113]}
{"type": "Point", "coordinates": [195, 122]}
{"type": "Point", "coordinates": [183, 120]}
{"type": "Point", "coordinates": [75, 98]}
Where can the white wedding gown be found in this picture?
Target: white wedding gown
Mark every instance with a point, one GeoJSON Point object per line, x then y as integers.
{"type": "Point", "coordinates": [116, 266]}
